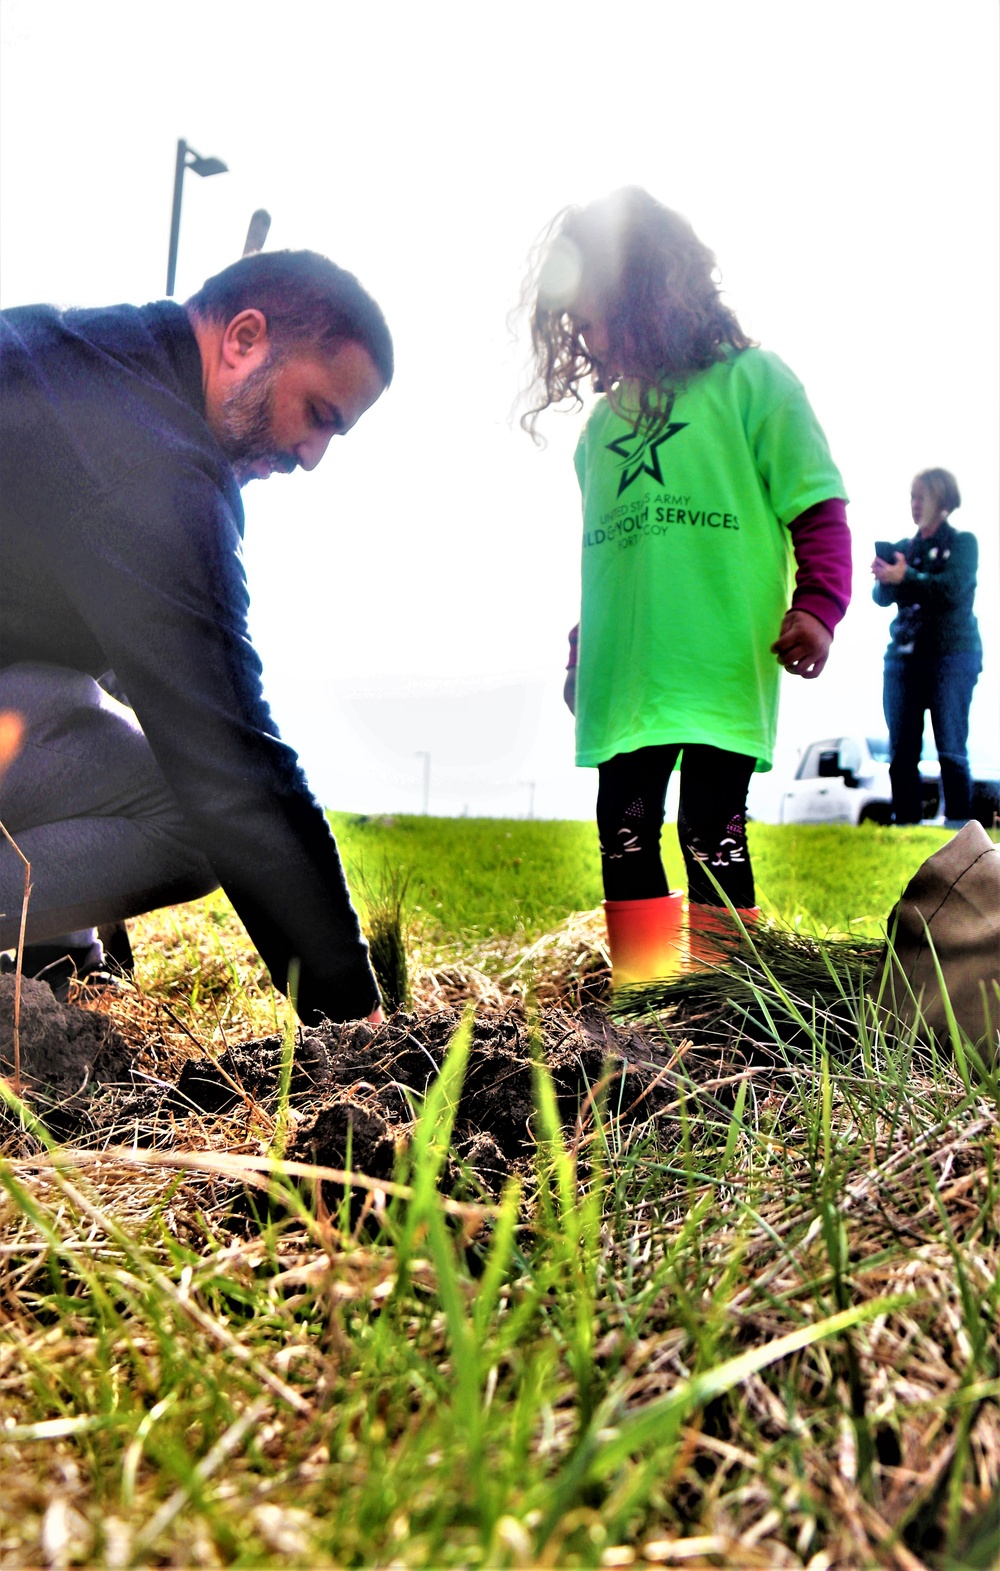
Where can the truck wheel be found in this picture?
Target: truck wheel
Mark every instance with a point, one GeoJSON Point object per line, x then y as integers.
{"type": "Point", "coordinates": [986, 802]}
{"type": "Point", "coordinates": [876, 813]}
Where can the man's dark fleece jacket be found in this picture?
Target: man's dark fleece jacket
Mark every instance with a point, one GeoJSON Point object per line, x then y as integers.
{"type": "Point", "coordinates": [121, 532]}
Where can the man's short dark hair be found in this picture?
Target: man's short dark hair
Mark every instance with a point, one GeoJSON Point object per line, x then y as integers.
{"type": "Point", "coordinates": [309, 303]}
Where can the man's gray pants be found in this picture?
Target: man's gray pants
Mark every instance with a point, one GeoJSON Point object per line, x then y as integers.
{"type": "Point", "coordinates": [88, 806]}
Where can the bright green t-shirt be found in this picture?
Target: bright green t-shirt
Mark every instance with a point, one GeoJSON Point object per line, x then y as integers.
{"type": "Point", "coordinates": [687, 562]}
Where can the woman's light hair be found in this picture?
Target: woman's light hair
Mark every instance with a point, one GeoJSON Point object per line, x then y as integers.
{"type": "Point", "coordinates": [943, 487]}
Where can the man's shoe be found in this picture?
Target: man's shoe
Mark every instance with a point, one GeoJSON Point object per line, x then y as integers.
{"type": "Point", "coordinates": [118, 957]}
{"type": "Point", "coordinates": [59, 964]}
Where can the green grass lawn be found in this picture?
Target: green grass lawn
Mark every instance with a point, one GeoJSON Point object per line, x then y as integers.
{"type": "Point", "coordinates": [473, 878]}
{"type": "Point", "coordinates": [759, 1330]}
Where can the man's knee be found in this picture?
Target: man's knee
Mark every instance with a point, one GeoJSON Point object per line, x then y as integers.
{"type": "Point", "coordinates": [90, 872]}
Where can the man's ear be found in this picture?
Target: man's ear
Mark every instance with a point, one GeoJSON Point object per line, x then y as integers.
{"type": "Point", "coordinates": [245, 339]}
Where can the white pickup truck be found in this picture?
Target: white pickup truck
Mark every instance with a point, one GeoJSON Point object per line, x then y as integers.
{"type": "Point", "coordinates": [845, 780]}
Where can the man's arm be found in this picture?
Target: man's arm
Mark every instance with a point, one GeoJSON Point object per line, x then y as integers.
{"type": "Point", "coordinates": [155, 568]}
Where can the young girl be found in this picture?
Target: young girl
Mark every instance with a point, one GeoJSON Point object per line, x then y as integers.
{"type": "Point", "coordinates": [702, 469]}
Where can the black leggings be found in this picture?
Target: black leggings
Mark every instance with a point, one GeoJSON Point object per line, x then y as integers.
{"type": "Point", "coordinates": [711, 823]}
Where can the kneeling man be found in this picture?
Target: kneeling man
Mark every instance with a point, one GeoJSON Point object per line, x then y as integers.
{"type": "Point", "coordinates": [125, 436]}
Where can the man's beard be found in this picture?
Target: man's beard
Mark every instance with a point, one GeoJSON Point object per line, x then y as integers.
{"type": "Point", "coordinates": [245, 425]}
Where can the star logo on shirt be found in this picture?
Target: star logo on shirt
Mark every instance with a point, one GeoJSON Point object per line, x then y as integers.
{"type": "Point", "coordinates": [640, 454]}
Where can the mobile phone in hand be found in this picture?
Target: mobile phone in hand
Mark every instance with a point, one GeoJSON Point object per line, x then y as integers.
{"type": "Point", "coordinates": [885, 551]}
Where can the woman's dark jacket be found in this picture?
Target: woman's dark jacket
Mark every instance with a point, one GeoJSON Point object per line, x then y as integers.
{"type": "Point", "coordinates": [935, 598]}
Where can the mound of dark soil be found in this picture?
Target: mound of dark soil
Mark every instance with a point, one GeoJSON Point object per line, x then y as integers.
{"type": "Point", "coordinates": [65, 1052]}
{"type": "Point", "coordinates": [356, 1089]}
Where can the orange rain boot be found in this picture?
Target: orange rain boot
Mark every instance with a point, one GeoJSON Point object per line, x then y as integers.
{"type": "Point", "coordinates": [645, 938]}
{"type": "Point", "coordinates": [712, 933]}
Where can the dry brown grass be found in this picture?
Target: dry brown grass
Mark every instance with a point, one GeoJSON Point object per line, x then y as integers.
{"type": "Point", "coordinates": [837, 1190]}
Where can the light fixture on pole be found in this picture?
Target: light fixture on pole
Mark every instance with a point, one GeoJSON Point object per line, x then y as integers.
{"type": "Point", "coordinates": [260, 223]}
{"type": "Point", "coordinates": [187, 158]}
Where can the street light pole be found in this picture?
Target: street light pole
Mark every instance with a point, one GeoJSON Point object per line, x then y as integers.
{"type": "Point", "coordinates": [187, 158]}
{"type": "Point", "coordinates": [427, 778]}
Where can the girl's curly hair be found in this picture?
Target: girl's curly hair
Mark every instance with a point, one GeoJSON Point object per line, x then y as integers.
{"type": "Point", "coordinates": [642, 266]}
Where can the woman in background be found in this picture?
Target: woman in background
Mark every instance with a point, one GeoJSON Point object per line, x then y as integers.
{"type": "Point", "coordinates": [935, 654]}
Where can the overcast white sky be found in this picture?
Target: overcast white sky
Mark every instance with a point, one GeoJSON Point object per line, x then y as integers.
{"type": "Point", "coordinates": [414, 593]}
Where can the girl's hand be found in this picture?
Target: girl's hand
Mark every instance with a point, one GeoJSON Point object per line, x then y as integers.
{"type": "Point", "coordinates": [890, 572]}
{"type": "Point", "coordinates": [569, 690]}
{"type": "Point", "coordinates": [803, 644]}
{"type": "Point", "coordinates": [569, 686]}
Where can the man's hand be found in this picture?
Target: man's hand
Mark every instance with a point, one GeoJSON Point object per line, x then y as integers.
{"type": "Point", "coordinates": [890, 572]}
{"type": "Point", "coordinates": [803, 644]}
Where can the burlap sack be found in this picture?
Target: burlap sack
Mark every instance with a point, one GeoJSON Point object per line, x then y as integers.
{"type": "Point", "coordinates": [955, 896]}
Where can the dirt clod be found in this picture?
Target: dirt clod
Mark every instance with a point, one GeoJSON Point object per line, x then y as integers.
{"type": "Point", "coordinates": [347, 1129]}
{"type": "Point", "coordinates": [65, 1051]}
